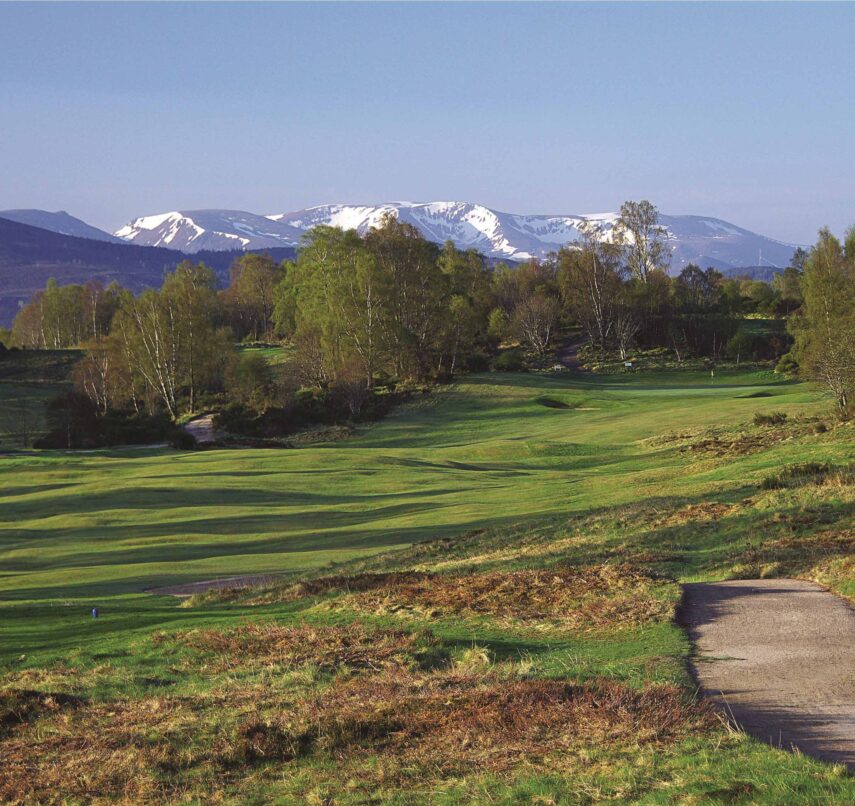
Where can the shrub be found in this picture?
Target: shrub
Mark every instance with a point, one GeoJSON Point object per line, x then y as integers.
{"type": "Point", "coordinates": [772, 418]}
{"type": "Point", "coordinates": [509, 361]}
{"type": "Point", "coordinates": [250, 382]}
{"type": "Point", "coordinates": [74, 422]}
{"type": "Point", "coordinates": [476, 362]}
{"type": "Point", "coordinates": [182, 440]}
{"type": "Point", "coordinates": [787, 365]}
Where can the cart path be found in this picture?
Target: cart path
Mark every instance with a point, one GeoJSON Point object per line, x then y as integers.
{"type": "Point", "coordinates": [202, 428]}
{"type": "Point", "coordinates": [779, 656]}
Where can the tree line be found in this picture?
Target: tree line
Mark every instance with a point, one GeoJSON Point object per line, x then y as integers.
{"type": "Point", "coordinates": [363, 309]}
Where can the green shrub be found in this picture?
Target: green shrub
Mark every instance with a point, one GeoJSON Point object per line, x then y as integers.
{"type": "Point", "coordinates": [182, 440]}
{"type": "Point", "coordinates": [772, 418]}
{"type": "Point", "coordinates": [787, 365]}
{"type": "Point", "coordinates": [509, 361]}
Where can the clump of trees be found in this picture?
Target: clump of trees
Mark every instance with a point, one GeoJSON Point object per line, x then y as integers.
{"type": "Point", "coordinates": [616, 286]}
{"type": "Point", "coordinates": [162, 348]}
{"type": "Point", "coordinates": [389, 304]}
{"type": "Point", "coordinates": [65, 316]}
{"type": "Point", "coordinates": [824, 325]}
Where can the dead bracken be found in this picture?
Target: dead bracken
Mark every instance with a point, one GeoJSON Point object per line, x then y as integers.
{"type": "Point", "coordinates": [20, 706]}
{"type": "Point", "coordinates": [593, 597]}
{"type": "Point", "coordinates": [97, 753]}
{"type": "Point", "coordinates": [353, 646]}
{"type": "Point", "coordinates": [414, 725]}
{"type": "Point", "coordinates": [446, 722]}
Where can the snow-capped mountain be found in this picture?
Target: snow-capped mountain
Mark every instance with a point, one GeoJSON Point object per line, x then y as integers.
{"type": "Point", "coordinates": [60, 222]}
{"type": "Point", "coordinates": [217, 230]}
{"type": "Point", "coordinates": [693, 239]}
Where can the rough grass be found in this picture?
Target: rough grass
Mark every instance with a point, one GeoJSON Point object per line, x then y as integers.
{"type": "Point", "coordinates": [445, 724]}
{"type": "Point", "coordinates": [287, 647]}
{"type": "Point", "coordinates": [422, 727]}
{"type": "Point", "coordinates": [606, 597]}
{"type": "Point", "coordinates": [766, 432]}
{"type": "Point", "coordinates": [817, 473]}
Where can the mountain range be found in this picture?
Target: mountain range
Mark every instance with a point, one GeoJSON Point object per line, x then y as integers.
{"type": "Point", "coordinates": [703, 240]}
{"type": "Point", "coordinates": [36, 245]}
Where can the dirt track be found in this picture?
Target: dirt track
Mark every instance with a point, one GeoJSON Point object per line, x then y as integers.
{"type": "Point", "coordinates": [779, 656]}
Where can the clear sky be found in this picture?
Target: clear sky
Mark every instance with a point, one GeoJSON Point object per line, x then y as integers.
{"type": "Point", "coordinates": [744, 112]}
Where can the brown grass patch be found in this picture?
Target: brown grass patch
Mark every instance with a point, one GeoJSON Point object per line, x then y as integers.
{"type": "Point", "coordinates": [447, 724]}
{"type": "Point", "coordinates": [23, 706]}
{"type": "Point", "coordinates": [594, 597]}
{"type": "Point", "coordinates": [339, 583]}
{"type": "Point", "coordinates": [353, 646]}
{"type": "Point", "coordinates": [719, 443]}
{"type": "Point", "coordinates": [117, 751]}
{"type": "Point", "coordinates": [705, 511]}
{"type": "Point", "coordinates": [403, 725]}
{"type": "Point", "coordinates": [801, 552]}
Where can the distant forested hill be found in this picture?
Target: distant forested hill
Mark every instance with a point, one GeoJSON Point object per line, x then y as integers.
{"type": "Point", "coordinates": [30, 256]}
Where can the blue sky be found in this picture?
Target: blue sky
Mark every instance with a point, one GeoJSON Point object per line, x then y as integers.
{"type": "Point", "coordinates": [738, 111]}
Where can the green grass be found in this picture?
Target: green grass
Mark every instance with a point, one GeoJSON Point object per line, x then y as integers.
{"type": "Point", "coordinates": [484, 453]}
{"type": "Point", "coordinates": [275, 354]}
{"type": "Point", "coordinates": [483, 475]}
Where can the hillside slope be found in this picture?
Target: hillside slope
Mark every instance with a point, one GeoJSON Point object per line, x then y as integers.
{"type": "Point", "coordinates": [59, 222]}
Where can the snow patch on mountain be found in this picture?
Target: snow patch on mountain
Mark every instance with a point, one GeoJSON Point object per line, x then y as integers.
{"type": "Point", "coordinates": [691, 239]}
{"type": "Point", "coordinates": [217, 230]}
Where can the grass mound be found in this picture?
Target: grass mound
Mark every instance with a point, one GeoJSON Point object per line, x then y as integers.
{"type": "Point", "coordinates": [704, 511]}
{"type": "Point", "coordinates": [770, 418]}
{"type": "Point", "coordinates": [595, 597]}
{"type": "Point", "coordinates": [445, 723]}
{"type": "Point", "coordinates": [769, 430]}
{"type": "Point", "coordinates": [288, 647]}
{"type": "Point", "coordinates": [346, 583]}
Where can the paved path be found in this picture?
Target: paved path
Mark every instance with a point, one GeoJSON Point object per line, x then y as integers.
{"type": "Point", "coordinates": [202, 429]}
{"type": "Point", "coordinates": [568, 354]}
{"type": "Point", "coordinates": [779, 656]}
